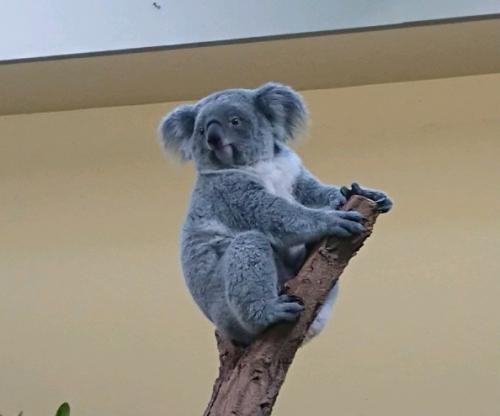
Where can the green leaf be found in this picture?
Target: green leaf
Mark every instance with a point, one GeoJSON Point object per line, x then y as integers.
{"type": "Point", "coordinates": [63, 410]}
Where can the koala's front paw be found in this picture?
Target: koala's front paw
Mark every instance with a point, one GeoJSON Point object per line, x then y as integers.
{"type": "Point", "coordinates": [384, 203]}
{"type": "Point", "coordinates": [346, 223]}
{"type": "Point", "coordinates": [285, 308]}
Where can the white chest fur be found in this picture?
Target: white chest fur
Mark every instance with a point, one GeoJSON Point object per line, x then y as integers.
{"type": "Point", "coordinates": [279, 174]}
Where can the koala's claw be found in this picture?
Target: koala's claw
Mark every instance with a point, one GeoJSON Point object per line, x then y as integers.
{"type": "Point", "coordinates": [345, 191]}
{"type": "Point", "coordinates": [356, 189]}
{"type": "Point", "coordinates": [293, 298]}
{"type": "Point", "coordinates": [287, 308]}
{"type": "Point", "coordinates": [384, 204]}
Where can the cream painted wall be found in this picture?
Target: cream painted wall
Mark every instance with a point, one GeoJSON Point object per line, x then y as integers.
{"type": "Point", "coordinates": [93, 309]}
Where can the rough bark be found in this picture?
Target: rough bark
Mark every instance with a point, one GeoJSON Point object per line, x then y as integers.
{"type": "Point", "coordinates": [250, 378]}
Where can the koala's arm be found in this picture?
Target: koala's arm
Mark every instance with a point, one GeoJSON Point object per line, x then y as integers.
{"type": "Point", "coordinates": [252, 207]}
{"type": "Point", "coordinates": [312, 193]}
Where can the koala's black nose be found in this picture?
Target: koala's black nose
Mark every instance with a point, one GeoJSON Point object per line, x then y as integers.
{"type": "Point", "coordinates": [214, 135]}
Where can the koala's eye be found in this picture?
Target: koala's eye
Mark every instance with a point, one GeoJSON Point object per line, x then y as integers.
{"type": "Point", "coordinates": [235, 121]}
{"type": "Point", "coordinates": [201, 130]}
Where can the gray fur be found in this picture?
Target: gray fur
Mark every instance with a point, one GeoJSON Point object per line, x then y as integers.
{"type": "Point", "coordinates": [254, 206]}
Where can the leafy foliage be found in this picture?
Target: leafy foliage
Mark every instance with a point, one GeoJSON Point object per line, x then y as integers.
{"type": "Point", "coordinates": [63, 410]}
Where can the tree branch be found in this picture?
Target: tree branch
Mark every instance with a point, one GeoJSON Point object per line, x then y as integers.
{"type": "Point", "coordinates": [250, 378]}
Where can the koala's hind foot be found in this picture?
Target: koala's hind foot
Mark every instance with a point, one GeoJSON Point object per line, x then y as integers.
{"type": "Point", "coordinates": [251, 285]}
{"type": "Point", "coordinates": [284, 308]}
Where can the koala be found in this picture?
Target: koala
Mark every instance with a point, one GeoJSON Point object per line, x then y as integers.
{"type": "Point", "coordinates": [254, 208]}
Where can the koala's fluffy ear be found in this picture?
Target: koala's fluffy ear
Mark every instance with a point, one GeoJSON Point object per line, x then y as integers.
{"type": "Point", "coordinates": [283, 107]}
{"type": "Point", "coordinates": [176, 129]}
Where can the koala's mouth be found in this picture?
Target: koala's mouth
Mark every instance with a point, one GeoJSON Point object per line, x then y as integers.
{"type": "Point", "coordinates": [224, 153]}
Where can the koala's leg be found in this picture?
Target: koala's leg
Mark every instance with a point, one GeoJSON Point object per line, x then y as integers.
{"type": "Point", "coordinates": [323, 316]}
{"type": "Point", "coordinates": [251, 284]}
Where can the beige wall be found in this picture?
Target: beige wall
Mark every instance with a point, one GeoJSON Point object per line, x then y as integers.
{"type": "Point", "coordinates": [93, 309]}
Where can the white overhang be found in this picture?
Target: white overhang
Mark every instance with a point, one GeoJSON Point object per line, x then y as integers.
{"type": "Point", "coordinates": [376, 46]}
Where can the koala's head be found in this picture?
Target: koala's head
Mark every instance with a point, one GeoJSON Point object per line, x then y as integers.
{"type": "Point", "coordinates": [236, 127]}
